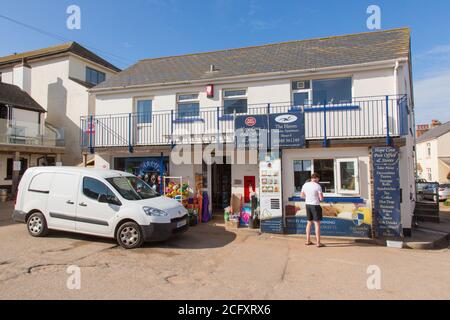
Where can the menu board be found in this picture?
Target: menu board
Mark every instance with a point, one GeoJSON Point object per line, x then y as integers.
{"type": "Point", "coordinates": [386, 185]}
{"type": "Point", "coordinates": [271, 212]}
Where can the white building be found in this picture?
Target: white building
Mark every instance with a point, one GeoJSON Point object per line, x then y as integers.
{"type": "Point", "coordinates": [57, 79]}
{"type": "Point", "coordinates": [433, 154]}
{"type": "Point", "coordinates": [364, 80]}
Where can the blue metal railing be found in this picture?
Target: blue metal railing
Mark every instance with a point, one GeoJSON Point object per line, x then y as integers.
{"type": "Point", "coordinates": [364, 117]}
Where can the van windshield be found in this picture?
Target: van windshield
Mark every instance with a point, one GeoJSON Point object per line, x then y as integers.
{"type": "Point", "coordinates": [132, 188]}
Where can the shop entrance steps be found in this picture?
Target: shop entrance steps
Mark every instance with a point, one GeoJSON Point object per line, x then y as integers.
{"type": "Point", "coordinates": [427, 211]}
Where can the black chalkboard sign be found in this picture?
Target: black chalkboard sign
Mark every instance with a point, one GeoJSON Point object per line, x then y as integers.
{"type": "Point", "coordinates": [386, 184]}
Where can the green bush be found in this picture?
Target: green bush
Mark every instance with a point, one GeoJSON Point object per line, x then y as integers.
{"type": "Point", "coordinates": [447, 203]}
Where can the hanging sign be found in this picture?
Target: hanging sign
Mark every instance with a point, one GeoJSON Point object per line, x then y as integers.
{"type": "Point", "coordinates": [386, 185]}
{"type": "Point", "coordinates": [271, 211]}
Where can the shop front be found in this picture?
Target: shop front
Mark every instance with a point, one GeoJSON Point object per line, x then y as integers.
{"type": "Point", "coordinates": [151, 169]}
{"type": "Point", "coordinates": [361, 199]}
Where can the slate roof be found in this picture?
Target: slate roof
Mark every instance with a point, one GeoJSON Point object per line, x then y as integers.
{"type": "Point", "coordinates": [278, 57]}
{"type": "Point", "coordinates": [435, 132]}
{"type": "Point", "coordinates": [14, 96]}
{"type": "Point", "coordinates": [72, 47]}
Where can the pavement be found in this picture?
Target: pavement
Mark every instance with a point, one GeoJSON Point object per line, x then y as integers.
{"type": "Point", "coordinates": [210, 262]}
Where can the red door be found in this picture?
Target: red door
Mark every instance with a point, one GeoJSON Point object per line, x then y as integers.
{"type": "Point", "coordinates": [249, 187]}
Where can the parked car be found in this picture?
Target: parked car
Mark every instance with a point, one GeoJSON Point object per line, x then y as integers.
{"type": "Point", "coordinates": [444, 191]}
{"type": "Point", "coordinates": [105, 203]}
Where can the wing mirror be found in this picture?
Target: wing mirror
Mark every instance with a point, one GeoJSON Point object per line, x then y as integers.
{"type": "Point", "coordinates": [103, 198]}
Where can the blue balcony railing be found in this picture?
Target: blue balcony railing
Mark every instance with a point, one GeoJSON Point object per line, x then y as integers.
{"type": "Point", "coordinates": [365, 117]}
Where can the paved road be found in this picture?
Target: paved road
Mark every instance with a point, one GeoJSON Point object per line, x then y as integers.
{"type": "Point", "coordinates": [209, 262]}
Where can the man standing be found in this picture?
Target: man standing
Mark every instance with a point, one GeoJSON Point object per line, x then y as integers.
{"type": "Point", "coordinates": [312, 193]}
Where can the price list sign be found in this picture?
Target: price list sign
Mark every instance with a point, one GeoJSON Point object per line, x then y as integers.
{"type": "Point", "coordinates": [386, 184]}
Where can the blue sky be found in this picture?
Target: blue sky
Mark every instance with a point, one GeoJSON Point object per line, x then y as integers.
{"type": "Point", "coordinates": [126, 31]}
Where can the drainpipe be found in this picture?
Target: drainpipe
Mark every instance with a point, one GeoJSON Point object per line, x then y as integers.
{"type": "Point", "coordinates": [397, 65]}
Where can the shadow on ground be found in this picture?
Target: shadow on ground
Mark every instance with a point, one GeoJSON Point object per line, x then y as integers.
{"type": "Point", "coordinates": [204, 236]}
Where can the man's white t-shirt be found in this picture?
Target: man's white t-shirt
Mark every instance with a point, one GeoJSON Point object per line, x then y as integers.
{"type": "Point", "coordinates": [312, 190]}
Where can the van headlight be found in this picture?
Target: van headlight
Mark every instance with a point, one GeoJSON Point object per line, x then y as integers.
{"type": "Point", "coordinates": [154, 212]}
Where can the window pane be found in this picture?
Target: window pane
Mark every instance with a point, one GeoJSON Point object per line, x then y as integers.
{"type": "Point", "coordinates": [92, 188]}
{"type": "Point", "coordinates": [144, 111]}
{"type": "Point", "coordinates": [332, 91]}
{"type": "Point", "coordinates": [325, 169]}
{"type": "Point", "coordinates": [302, 173]}
{"type": "Point", "coordinates": [188, 110]}
{"type": "Point", "coordinates": [301, 98]}
{"type": "Point", "coordinates": [238, 105]}
{"type": "Point", "coordinates": [348, 175]}
{"type": "Point", "coordinates": [235, 93]}
{"type": "Point", "coordinates": [94, 76]}
{"type": "Point", "coordinates": [193, 96]}
{"type": "Point", "coordinates": [101, 77]}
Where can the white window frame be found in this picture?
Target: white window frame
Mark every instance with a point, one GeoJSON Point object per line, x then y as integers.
{"type": "Point", "coordinates": [339, 178]}
{"type": "Point", "coordinates": [308, 91]}
{"type": "Point", "coordinates": [136, 102]}
{"type": "Point", "coordinates": [237, 97]}
{"type": "Point", "coordinates": [197, 100]}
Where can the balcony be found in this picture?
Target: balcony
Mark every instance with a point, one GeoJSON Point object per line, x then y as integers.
{"type": "Point", "coordinates": [365, 117]}
{"type": "Point", "coordinates": [16, 132]}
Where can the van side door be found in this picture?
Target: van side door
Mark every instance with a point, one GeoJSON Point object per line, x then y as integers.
{"type": "Point", "coordinates": [94, 216]}
{"type": "Point", "coordinates": [62, 200]}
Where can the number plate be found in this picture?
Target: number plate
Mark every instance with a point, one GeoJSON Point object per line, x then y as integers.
{"type": "Point", "coordinates": [181, 224]}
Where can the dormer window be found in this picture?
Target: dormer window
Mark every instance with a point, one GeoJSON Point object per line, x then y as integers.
{"type": "Point", "coordinates": [94, 77]}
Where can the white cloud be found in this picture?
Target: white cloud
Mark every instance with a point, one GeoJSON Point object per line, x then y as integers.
{"type": "Point", "coordinates": [432, 97]}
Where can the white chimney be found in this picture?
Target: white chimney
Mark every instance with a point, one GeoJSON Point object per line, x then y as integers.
{"type": "Point", "coordinates": [22, 76]}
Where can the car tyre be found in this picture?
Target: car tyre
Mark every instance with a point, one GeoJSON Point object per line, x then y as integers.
{"type": "Point", "coordinates": [37, 225]}
{"type": "Point", "coordinates": [130, 236]}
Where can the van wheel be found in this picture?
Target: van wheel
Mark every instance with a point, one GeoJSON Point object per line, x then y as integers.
{"type": "Point", "coordinates": [37, 225]}
{"type": "Point", "coordinates": [130, 236]}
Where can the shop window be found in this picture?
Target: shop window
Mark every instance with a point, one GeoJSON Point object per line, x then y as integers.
{"type": "Point", "coordinates": [92, 188]}
{"type": "Point", "coordinates": [325, 169]}
{"type": "Point", "coordinates": [348, 180]}
{"type": "Point", "coordinates": [144, 111]}
{"type": "Point", "coordinates": [188, 105]}
{"type": "Point", "coordinates": [337, 176]}
{"type": "Point", "coordinates": [332, 91]}
{"type": "Point", "coordinates": [302, 173]}
{"type": "Point", "coordinates": [235, 101]}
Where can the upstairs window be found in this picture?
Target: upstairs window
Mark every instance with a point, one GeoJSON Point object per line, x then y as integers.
{"type": "Point", "coordinates": [144, 111]}
{"type": "Point", "coordinates": [235, 101]}
{"type": "Point", "coordinates": [94, 77]}
{"type": "Point", "coordinates": [188, 105]}
{"type": "Point", "coordinates": [332, 91]}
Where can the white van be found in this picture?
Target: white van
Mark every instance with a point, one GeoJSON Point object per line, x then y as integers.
{"type": "Point", "coordinates": [105, 203]}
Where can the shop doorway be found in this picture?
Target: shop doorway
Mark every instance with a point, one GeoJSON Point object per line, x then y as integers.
{"type": "Point", "coordinates": [221, 186]}
{"type": "Point", "coordinates": [249, 187]}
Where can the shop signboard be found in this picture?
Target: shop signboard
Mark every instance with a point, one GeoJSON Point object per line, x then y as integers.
{"type": "Point", "coordinates": [386, 189]}
{"type": "Point", "coordinates": [271, 211]}
{"type": "Point", "coordinates": [270, 131]}
{"type": "Point", "coordinates": [287, 129]}
{"type": "Point", "coordinates": [248, 131]}
{"type": "Point", "coordinates": [341, 219]}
